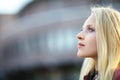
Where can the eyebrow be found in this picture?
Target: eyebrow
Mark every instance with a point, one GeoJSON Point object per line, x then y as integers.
{"type": "Point", "coordinates": [88, 26]}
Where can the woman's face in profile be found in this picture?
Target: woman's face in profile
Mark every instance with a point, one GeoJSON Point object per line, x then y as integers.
{"type": "Point", "coordinates": [87, 46]}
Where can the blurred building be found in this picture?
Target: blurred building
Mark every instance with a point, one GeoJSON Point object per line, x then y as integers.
{"type": "Point", "coordinates": [39, 43]}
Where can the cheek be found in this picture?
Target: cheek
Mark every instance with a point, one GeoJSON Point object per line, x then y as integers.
{"type": "Point", "coordinates": [92, 46]}
{"type": "Point", "coordinates": [93, 42]}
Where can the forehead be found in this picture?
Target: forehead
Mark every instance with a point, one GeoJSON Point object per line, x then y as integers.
{"type": "Point", "coordinates": [90, 21]}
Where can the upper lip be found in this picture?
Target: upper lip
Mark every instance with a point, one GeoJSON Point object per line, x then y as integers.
{"type": "Point", "coordinates": [81, 44]}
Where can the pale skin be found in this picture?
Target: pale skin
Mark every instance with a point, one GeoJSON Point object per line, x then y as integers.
{"type": "Point", "coordinates": [87, 46]}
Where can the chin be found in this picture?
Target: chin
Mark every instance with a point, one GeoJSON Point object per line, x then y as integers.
{"type": "Point", "coordinates": [81, 55]}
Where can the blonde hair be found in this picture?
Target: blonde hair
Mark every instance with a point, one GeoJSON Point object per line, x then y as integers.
{"type": "Point", "coordinates": [108, 43]}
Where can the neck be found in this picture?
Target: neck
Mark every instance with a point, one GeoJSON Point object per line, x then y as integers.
{"type": "Point", "coordinates": [96, 63]}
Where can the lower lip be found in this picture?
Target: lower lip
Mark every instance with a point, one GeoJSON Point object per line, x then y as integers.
{"type": "Point", "coordinates": [79, 46]}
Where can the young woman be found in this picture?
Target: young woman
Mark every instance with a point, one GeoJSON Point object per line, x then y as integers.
{"type": "Point", "coordinates": [99, 44]}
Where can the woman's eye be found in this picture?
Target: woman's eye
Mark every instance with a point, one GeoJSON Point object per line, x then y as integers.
{"type": "Point", "coordinates": [91, 29]}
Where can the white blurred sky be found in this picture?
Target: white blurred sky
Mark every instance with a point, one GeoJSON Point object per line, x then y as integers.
{"type": "Point", "coordinates": [12, 6]}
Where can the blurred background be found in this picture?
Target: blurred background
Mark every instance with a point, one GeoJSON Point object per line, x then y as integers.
{"type": "Point", "coordinates": [38, 38]}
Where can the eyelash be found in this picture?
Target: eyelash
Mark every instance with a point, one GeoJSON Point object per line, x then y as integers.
{"type": "Point", "coordinates": [90, 29]}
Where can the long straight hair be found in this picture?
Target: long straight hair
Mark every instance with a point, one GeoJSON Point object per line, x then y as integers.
{"type": "Point", "coordinates": [108, 43]}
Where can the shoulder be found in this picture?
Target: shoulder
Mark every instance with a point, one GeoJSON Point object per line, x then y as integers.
{"type": "Point", "coordinates": [117, 74]}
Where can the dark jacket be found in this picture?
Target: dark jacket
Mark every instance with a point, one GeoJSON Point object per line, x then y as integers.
{"type": "Point", "coordinates": [116, 75]}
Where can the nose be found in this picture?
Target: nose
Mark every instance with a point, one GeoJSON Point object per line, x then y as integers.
{"type": "Point", "coordinates": [80, 36]}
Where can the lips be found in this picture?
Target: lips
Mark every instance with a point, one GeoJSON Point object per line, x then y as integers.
{"type": "Point", "coordinates": [80, 45]}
